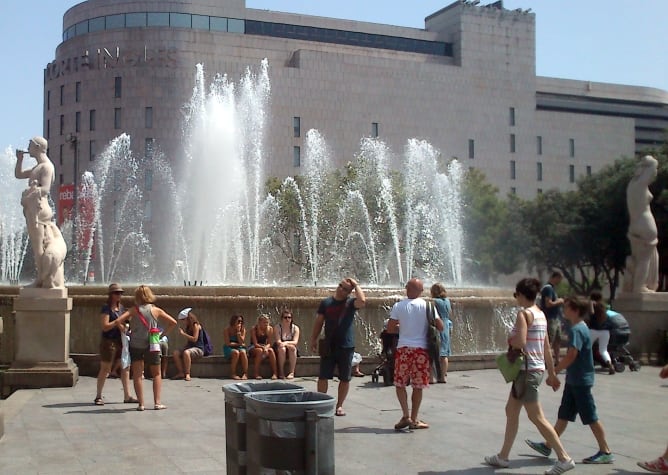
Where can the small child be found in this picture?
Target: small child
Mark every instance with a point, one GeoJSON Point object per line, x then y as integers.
{"type": "Point", "coordinates": [577, 397]}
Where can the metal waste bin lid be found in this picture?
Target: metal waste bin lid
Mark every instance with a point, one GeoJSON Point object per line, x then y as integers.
{"type": "Point", "coordinates": [285, 405]}
{"type": "Point", "coordinates": [234, 392]}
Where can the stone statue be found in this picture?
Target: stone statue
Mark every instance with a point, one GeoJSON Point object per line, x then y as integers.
{"type": "Point", "coordinates": [642, 265]}
{"type": "Point", "coordinates": [47, 242]}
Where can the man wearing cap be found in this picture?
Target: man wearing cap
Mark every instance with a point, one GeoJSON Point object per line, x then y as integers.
{"type": "Point", "coordinates": [191, 330]}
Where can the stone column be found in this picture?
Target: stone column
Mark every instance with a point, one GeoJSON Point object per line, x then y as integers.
{"type": "Point", "coordinates": [42, 341]}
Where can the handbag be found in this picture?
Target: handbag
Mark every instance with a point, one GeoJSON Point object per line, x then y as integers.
{"type": "Point", "coordinates": [511, 363]}
{"type": "Point", "coordinates": [433, 333]}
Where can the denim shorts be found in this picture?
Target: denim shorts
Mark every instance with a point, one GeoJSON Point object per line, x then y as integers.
{"type": "Point", "coordinates": [578, 400]}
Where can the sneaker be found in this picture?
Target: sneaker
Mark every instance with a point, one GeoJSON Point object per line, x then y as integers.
{"type": "Point", "coordinates": [561, 467]}
{"type": "Point", "coordinates": [659, 465]}
{"type": "Point", "coordinates": [599, 457]}
{"type": "Point", "coordinates": [496, 461]}
{"type": "Point", "coordinates": [539, 447]}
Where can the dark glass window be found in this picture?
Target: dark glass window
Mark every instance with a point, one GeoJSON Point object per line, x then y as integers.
{"type": "Point", "coordinates": [148, 148]}
{"type": "Point", "coordinates": [62, 124]}
{"type": "Point", "coordinates": [218, 24]}
{"type": "Point", "coordinates": [62, 94]}
{"type": "Point", "coordinates": [48, 129]}
{"type": "Point", "coordinates": [513, 190]}
{"type": "Point", "coordinates": [374, 129]}
{"type": "Point", "coordinates": [235, 26]}
{"type": "Point", "coordinates": [180, 20]}
{"type": "Point", "coordinates": [81, 28]}
{"type": "Point", "coordinates": [571, 173]}
{"type": "Point", "coordinates": [571, 147]}
{"type": "Point", "coordinates": [115, 21]}
{"type": "Point", "coordinates": [539, 171]}
{"type": "Point", "coordinates": [296, 127]}
{"type": "Point", "coordinates": [96, 24]}
{"type": "Point", "coordinates": [117, 118]}
{"type": "Point", "coordinates": [588, 170]}
{"type": "Point", "coordinates": [92, 150]}
{"type": "Point", "coordinates": [512, 143]}
{"type": "Point", "coordinates": [135, 20]}
{"type": "Point", "coordinates": [158, 19]}
{"type": "Point", "coordinates": [77, 92]}
{"type": "Point", "coordinates": [471, 148]}
{"type": "Point", "coordinates": [296, 157]}
{"type": "Point", "coordinates": [148, 117]}
{"type": "Point", "coordinates": [118, 86]}
{"type": "Point", "coordinates": [200, 22]}
{"type": "Point", "coordinates": [60, 154]}
{"type": "Point", "coordinates": [539, 145]}
{"type": "Point", "coordinates": [48, 100]}
{"type": "Point", "coordinates": [91, 119]}
{"type": "Point", "coordinates": [512, 170]}
{"type": "Point", "coordinates": [77, 121]}
{"type": "Point", "coordinates": [511, 117]}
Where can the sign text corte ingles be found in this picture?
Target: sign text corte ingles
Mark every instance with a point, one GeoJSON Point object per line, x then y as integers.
{"type": "Point", "coordinates": [110, 58]}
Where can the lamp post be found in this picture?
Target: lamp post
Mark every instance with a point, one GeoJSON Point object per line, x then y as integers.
{"type": "Point", "coordinates": [73, 140]}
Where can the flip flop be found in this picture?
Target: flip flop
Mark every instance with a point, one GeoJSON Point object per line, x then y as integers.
{"type": "Point", "coordinates": [658, 465]}
{"type": "Point", "coordinates": [159, 407]}
{"type": "Point", "coordinates": [403, 423]}
{"type": "Point", "coordinates": [419, 425]}
{"type": "Point", "coordinates": [187, 378]}
{"type": "Point", "coordinates": [291, 376]}
{"type": "Point", "coordinates": [340, 411]}
{"type": "Point", "coordinates": [130, 400]}
{"type": "Point", "coordinates": [140, 408]}
{"type": "Point", "coordinates": [98, 401]}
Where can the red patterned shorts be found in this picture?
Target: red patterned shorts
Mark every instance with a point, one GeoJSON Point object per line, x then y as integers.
{"type": "Point", "coordinates": [411, 365]}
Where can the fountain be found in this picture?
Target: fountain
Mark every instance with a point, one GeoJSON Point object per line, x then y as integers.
{"type": "Point", "coordinates": [13, 234]}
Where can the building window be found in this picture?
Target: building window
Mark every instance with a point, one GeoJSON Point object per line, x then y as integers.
{"type": "Point", "coordinates": [471, 148]}
{"type": "Point", "coordinates": [296, 157]}
{"type": "Point", "coordinates": [92, 150]}
{"type": "Point", "coordinates": [588, 170]}
{"type": "Point", "coordinates": [571, 173]}
{"type": "Point", "coordinates": [118, 86]}
{"type": "Point", "coordinates": [48, 100]}
{"type": "Point", "coordinates": [62, 124]}
{"type": "Point", "coordinates": [148, 148]}
{"type": "Point", "coordinates": [512, 117]}
{"type": "Point", "coordinates": [539, 191]}
{"type": "Point", "coordinates": [512, 143]}
{"type": "Point", "coordinates": [61, 179]}
{"type": "Point", "coordinates": [513, 190]}
{"type": "Point", "coordinates": [374, 129]}
{"type": "Point", "coordinates": [148, 211]}
{"type": "Point", "coordinates": [148, 117]}
{"type": "Point", "coordinates": [539, 171]}
{"type": "Point", "coordinates": [77, 92]}
{"type": "Point", "coordinates": [117, 118]}
{"type": "Point", "coordinates": [77, 121]}
{"type": "Point", "coordinates": [148, 180]}
{"type": "Point", "coordinates": [60, 154]}
{"type": "Point", "coordinates": [62, 94]}
{"type": "Point", "coordinates": [512, 170]}
{"type": "Point", "coordinates": [48, 129]}
{"type": "Point", "coordinates": [296, 127]}
{"type": "Point", "coordinates": [571, 147]}
{"type": "Point", "coordinates": [539, 145]}
{"type": "Point", "coordinates": [91, 119]}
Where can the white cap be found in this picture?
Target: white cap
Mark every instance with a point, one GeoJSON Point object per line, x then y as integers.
{"type": "Point", "coordinates": [183, 314]}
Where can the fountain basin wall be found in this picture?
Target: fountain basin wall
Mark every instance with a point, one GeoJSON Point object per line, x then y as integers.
{"type": "Point", "coordinates": [480, 316]}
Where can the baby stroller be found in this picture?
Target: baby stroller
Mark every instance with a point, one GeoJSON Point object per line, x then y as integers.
{"type": "Point", "coordinates": [386, 365]}
{"type": "Point", "coordinates": [620, 333]}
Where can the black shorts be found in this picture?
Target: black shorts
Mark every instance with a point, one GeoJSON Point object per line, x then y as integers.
{"type": "Point", "coordinates": [142, 354]}
{"type": "Point", "coordinates": [341, 358]}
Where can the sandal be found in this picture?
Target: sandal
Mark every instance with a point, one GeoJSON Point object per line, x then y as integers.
{"type": "Point", "coordinates": [291, 376]}
{"type": "Point", "coordinates": [140, 408]}
{"type": "Point", "coordinates": [98, 401]}
{"type": "Point", "coordinates": [130, 400]}
{"type": "Point", "coordinates": [419, 425]}
{"type": "Point", "coordinates": [659, 465]}
{"type": "Point", "coordinates": [187, 377]}
{"type": "Point", "coordinates": [403, 423]}
{"type": "Point", "coordinates": [340, 411]}
{"type": "Point", "coordinates": [159, 407]}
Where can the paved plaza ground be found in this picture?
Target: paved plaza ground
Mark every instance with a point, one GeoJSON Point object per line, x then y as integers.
{"type": "Point", "coordinates": [61, 431]}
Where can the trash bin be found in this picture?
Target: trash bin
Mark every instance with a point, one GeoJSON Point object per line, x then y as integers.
{"type": "Point", "coordinates": [290, 433]}
{"type": "Point", "coordinates": [235, 419]}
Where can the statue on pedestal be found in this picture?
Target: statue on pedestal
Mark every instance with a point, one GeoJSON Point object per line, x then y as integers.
{"type": "Point", "coordinates": [47, 242]}
{"type": "Point", "coordinates": [642, 266]}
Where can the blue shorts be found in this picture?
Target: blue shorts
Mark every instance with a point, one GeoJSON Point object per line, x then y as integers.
{"type": "Point", "coordinates": [341, 357]}
{"type": "Point", "coordinates": [578, 400]}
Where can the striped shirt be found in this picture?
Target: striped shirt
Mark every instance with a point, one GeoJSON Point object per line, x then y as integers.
{"type": "Point", "coordinates": [534, 348]}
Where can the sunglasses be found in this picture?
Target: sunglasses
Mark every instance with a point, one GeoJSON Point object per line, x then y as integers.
{"type": "Point", "coordinates": [287, 317]}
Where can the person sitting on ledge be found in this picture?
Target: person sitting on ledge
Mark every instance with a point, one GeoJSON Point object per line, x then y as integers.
{"type": "Point", "coordinates": [286, 344]}
{"type": "Point", "coordinates": [194, 343]}
{"type": "Point", "coordinates": [234, 347]}
{"type": "Point", "coordinates": [262, 335]}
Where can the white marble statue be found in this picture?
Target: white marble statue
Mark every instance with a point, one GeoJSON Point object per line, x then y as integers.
{"type": "Point", "coordinates": [642, 266]}
{"type": "Point", "coordinates": [47, 242]}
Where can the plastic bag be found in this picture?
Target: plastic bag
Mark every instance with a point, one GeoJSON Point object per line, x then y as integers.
{"type": "Point", "coordinates": [357, 358]}
{"type": "Point", "coordinates": [125, 351]}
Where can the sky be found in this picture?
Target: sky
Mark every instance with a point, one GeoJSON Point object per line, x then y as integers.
{"type": "Point", "coordinates": [614, 41]}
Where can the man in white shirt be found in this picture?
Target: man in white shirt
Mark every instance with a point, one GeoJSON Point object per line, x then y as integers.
{"type": "Point", "coordinates": [412, 362]}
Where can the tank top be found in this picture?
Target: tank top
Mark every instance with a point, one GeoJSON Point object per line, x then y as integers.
{"type": "Point", "coordinates": [261, 339]}
{"type": "Point", "coordinates": [534, 348]}
{"type": "Point", "coordinates": [114, 333]}
{"type": "Point", "coordinates": [139, 331]}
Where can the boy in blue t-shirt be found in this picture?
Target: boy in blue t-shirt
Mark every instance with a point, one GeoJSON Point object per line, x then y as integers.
{"type": "Point", "coordinates": [577, 397]}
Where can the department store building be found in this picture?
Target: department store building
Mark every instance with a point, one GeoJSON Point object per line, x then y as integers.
{"type": "Point", "coordinates": [466, 83]}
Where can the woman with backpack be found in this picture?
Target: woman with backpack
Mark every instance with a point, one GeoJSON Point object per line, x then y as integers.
{"type": "Point", "coordinates": [194, 335]}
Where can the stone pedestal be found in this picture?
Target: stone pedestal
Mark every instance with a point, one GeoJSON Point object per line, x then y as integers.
{"type": "Point", "coordinates": [647, 314]}
{"type": "Point", "coordinates": [42, 341]}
